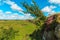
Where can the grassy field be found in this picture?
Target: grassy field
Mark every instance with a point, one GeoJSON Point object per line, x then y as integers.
{"type": "Point", "coordinates": [24, 27]}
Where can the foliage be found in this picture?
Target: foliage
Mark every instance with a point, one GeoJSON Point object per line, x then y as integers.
{"type": "Point", "coordinates": [39, 20]}
{"type": "Point", "coordinates": [46, 29]}
{"type": "Point", "coordinates": [52, 30]}
{"type": "Point", "coordinates": [58, 18]}
{"type": "Point", "coordinates": [7, 34]}
{"type": "Point", "coordinates": [33, 9]}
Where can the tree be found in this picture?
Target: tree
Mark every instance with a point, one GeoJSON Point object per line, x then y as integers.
{"type": "Point", "coordinates": [46, 30]}
{"type": "Point", "coordinates": [39, 20]}
{"type": "Point", "coordinates": [34, 9]}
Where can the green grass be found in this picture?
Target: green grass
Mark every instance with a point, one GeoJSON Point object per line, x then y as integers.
{"type": "Point", "coordinates": [24, 27]}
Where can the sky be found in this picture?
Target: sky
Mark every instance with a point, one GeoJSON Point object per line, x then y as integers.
{"type": "Point", "coordinates": [12, 9]}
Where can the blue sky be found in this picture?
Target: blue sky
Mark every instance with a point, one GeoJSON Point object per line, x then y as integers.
{"type": "Point", "coordinates": [12, 9]}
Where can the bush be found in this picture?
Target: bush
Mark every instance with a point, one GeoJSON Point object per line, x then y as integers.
{"type": "Point", "coordinates": [7, 34]}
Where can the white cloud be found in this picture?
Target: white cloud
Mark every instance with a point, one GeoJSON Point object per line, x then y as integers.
{"type": "Point", "coordinates": [10, 15]}
{"type": "Point", "coordinates": [55, 1]}
{"type": "Point", "coordinates": [8, 12]}
{"type": "Point", "coordinates": [1, 11]}
{"type": "Point", "coordinates": [13, 5]}
{"type": "Point", "coordinates": [28, 16]}
{"type": "Point", "coordinates": [49, 9]}
{"type": "Point", "coordinates": [46, 9]}
{"type": "Point", "coordinates": [52, 7]}
{"type": "Point", "coordinates": [3, 15]}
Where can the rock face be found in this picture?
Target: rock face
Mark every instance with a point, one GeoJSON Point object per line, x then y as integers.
{"type": "Point", "coordinates": [57, 31]}
{"type": "Point", "coordinates": [52, 28]}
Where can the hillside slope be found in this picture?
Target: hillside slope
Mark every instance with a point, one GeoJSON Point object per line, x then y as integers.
{"type": "Point", "coordinates": [24, 27]}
